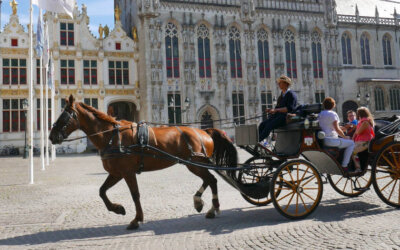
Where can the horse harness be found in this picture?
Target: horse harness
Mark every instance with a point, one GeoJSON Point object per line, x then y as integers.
{"type": "Point", "coordinates": [118, 151]}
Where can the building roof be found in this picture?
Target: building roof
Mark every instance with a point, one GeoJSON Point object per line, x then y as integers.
{"type": "Point", "coordinates": [367, 7]}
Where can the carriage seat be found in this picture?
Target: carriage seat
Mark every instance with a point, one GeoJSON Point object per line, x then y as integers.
{"type": "Point", "coordinates": [295, 126]}
{"type": "Point", "coordinates": [308, 109]}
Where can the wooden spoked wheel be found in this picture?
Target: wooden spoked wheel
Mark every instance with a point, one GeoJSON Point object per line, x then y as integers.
{"type": "Point", "coordinates": [296, 189]}
{"type": "Point", "coordinates": [256, 175]}
{"type": "Point", "coordinates": [386, 174]}
{"type": "Point", "coordinates": [351, 186]}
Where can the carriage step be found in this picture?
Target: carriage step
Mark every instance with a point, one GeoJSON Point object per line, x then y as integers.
{"type": "Point", "coordinates": [361, 189]}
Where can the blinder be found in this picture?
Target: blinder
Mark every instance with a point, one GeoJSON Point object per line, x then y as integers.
{"type": "Point", "coordinates": [65, 120]}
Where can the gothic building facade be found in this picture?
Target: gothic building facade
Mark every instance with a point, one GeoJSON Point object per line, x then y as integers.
{"type": "Point", "coordinates": [216, 61]}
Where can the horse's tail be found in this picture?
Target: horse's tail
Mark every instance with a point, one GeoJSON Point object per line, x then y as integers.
{"type": "Point", "coordinates": [225, 152]}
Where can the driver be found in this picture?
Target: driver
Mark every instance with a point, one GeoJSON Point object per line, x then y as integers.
{"type": "Point", "coordinates": [287, 102]}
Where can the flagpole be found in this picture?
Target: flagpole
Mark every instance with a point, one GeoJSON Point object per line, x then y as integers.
{"type": "Point", "coordinates": [41, 105]}
{"type": "Point", "coordinates": [31, 93]}
{"type": "Point", "coordinates": [47, 120]}
{"type": "Point", "coordinates": [53, 106]}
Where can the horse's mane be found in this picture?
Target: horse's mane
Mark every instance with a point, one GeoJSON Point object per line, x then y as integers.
{"type": "Point", "coordinates": [98, 114]}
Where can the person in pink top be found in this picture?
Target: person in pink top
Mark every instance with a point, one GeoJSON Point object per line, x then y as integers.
{"type": "Point", "coordinates": [363, 135]}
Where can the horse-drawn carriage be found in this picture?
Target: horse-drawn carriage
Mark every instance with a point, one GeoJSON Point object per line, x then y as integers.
{"type": "Point", "coordinates": [289, 174]}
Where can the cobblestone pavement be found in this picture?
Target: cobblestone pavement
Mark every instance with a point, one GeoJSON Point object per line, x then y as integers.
{"type": "Point", "coordinates": [63, 210]}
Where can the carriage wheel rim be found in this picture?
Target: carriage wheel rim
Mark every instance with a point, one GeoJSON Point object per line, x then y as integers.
{"type": "Point", "coordinates": [388, 174]}
{"type": "Point", "coordinates": [344, 185]}
{"type": "Point", "coordinates": [299, 185]}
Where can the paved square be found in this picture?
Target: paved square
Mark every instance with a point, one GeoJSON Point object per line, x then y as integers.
{"type": "Point", "coordinates": [63, 210]}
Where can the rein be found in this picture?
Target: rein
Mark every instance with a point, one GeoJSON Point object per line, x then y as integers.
{"type": "Point", "coordinates": [98, 133]}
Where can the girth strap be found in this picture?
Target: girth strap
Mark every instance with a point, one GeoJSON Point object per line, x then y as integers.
{"type": "Point", "coordinates": [143, 141]}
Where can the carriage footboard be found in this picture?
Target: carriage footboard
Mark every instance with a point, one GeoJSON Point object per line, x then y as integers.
{"type": "Point", "coordinates": [257, 190]}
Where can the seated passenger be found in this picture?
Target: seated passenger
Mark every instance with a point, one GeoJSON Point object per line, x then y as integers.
{"type": "Point", "coordinates": [363, 135]}
{"type": "Point", "coordinates": [287, 102]}
{"type": "Point", "coordinates": [329, 123]}
{"type": "Point", "coordinates": [350, 127]}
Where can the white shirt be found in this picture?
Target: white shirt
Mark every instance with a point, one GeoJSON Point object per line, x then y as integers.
{"type": "Point", "coordinates": [326, 119]}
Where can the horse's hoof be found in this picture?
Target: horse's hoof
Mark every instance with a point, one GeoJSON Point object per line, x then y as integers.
{"type": "Point", "coordinates": [210, 215]}
{"type": "Point", "coordinates": [119, 210]}
{"type": "Point", "coordinates": [133, 225]}
{"type": "Point", "coordinates": [198, 203]}
{"type": "Point", "coordinates": [198, 207]}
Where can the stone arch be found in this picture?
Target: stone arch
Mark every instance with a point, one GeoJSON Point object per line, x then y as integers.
{"type": "Point", "coordinates": [346, 106]}
{"type": "Point", "coordinates": [129, 107]}
{"type": "Point", "coordinates": [212, 111]}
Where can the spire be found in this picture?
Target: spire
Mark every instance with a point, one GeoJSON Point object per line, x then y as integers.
{"type": "Point", "coordinates": [357, 12]}
{"type": "Point", "coordinates": [376, 12]}
{"type": "Point", "coordinates": [394, 12]}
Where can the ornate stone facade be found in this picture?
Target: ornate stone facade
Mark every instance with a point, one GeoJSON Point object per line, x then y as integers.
{"type": "Point", "coordinates": [86, 74]}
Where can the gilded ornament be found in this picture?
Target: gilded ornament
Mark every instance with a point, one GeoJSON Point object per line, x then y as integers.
{"type": "Point", "coordinates": [117, 13]}
{"type": "Point", "coordinates": [101, 30]}
{"type": "Point", "coordinates": [14, 6]}
{"type": "Point", "coordinates": [134, 34]}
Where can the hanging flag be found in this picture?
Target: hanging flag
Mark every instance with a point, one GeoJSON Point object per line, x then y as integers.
{"type": "Point", "coordinates": [50, 74]}
{"type": "Point", "coordinates": [46, 46]}
{"type": "Point", "coordinates": [57, 6]}
{"type": "Point", "coordinates": [39, 35]}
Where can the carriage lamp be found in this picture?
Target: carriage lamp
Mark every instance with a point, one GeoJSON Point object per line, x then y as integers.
{"type": "Point", "coordinates": [25, 106]}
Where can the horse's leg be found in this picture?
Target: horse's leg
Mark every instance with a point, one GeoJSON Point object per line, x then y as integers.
{"type": "Point", "coordinates": [208, 179]}
{"type": "Point", "coordinates": [198, 202]}
{"type": "Point", "coordinates": [133, 187]}
{"type": "Point", "coordinates": [111, 181]}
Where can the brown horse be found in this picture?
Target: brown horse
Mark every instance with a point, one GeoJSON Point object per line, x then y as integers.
{"type": "Point", "coordinates": [184, 142]}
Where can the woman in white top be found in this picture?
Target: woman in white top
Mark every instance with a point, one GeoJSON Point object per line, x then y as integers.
{"type": "Point", "coordinates": [329, 123]}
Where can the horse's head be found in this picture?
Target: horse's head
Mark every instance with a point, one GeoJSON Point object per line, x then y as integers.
{"type": "Point", "coordinates": [66, 124]}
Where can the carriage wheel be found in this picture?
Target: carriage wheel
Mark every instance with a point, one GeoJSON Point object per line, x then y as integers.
{"type": "Point", "coordinates": [296, 189]}
{"type": "Point", "coordinates": [255, 175]}
{"type": "Point", "coordinates": [386, 174]}
{"type": "Point", "coordinates": [345, 185]}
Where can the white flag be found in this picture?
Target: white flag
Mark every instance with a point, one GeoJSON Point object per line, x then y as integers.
{"type": "Point", "coordinates": [50, 74]}
{"type": "Point", "coordinates": [57, 6]}
{"type": "Point", "coordinates": [46, 45]}
{"type": "Point", "coordinates": [39, 35]}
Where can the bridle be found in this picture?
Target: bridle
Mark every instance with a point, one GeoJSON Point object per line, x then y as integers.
{"type": "Point", "coordinates": [66, 118]}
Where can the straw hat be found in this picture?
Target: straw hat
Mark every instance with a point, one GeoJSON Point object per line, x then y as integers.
{"type": "Point", "coordinates": [284, 78]}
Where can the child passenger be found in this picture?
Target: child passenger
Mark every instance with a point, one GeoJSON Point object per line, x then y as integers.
{"type": "Point", "coordinates": [363, 135]}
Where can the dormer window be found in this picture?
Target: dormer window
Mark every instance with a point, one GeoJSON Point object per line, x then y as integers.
{"type": "Point", "coordinates": [67, 34]}
{"type": "Point", "coordinates": [14, 42]}
{"type": "Point", "coordinates": [117, 46]}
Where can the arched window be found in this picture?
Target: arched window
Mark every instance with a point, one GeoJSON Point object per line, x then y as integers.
{"type": "Point", "coordinates": [290, 50]}
{"type": "Point", "coordinates": [203, 44]}
{"type": "Point", "coordinates": [387, 51]}
{"type": "Point", "coordinates": [379, 99]}
{"type": "Point", "coordinates": [235, 53]}
{"type": "Point", "coordinates": [263, 53]}
{"type": "Point", "coordinates": [346, 49]}
{"type": "Point", "coordinates": [395, 99]}
{"type": "Point", "coordinates": [172, 50]}
{"type": "Point", "coordinates": [364, 45]}
{"type": "Point", "coordinates": [316, 54]}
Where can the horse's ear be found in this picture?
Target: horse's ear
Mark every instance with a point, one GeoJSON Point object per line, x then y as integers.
{"type": "Point", "coordinates": [71, 99]}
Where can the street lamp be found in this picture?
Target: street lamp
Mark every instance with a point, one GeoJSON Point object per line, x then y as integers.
{"type": "Point", "coordinates": [367, 98]}
{"type": "Point", "coordinates": [25, 106]}
{"type": "Point", "coordinates": [274, 101]}
{"type": "Point", "coordinates": [171, 104]}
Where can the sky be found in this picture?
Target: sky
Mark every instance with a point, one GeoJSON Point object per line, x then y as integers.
{"type": "Point", "coordinates": [99, 12]}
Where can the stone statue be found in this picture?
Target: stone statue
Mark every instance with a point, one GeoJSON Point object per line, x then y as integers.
{"type": "Point", "coordinates": [14, 6]}
{"type": "Point", "coordinates": [117, 13]}
{"type": "Point", "coordinates": [134, 34]}
{"type": "Point", "coordinates": [106, 31]}
{"type": "Point", "coordinates": [101, 30]}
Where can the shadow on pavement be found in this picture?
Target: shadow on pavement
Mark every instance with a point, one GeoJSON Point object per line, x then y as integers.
{"type": "Point", "coordinates": [228, 221]}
